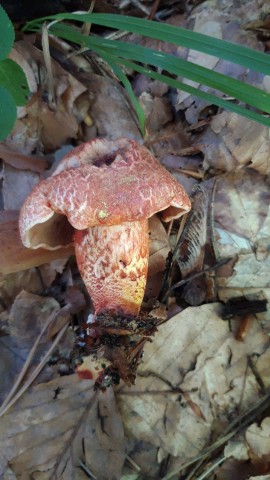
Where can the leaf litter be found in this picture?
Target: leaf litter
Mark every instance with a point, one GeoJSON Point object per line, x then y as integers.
{"type": "Point", "coordinates": [198, 406]}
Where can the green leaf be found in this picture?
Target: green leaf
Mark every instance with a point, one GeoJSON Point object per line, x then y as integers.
{"type": "Point", "coordinates": [13, 78]}
{"type": "Point", "coordinates": [7, 34]}
{"type": "Point", "coordinates": [8, 112]}
{"type": "Point", "coordinates": [121, 53]}
{"type": "Point", "coordinates": [220, 102]}
{"type": "Point", "coordinates": [123, 78]}
{"type": "Point", "coordinates": [232, 52]}
{"type": "Point", "coordinates": [230, 86]}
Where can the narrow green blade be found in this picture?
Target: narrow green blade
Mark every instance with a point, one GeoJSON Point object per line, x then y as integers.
{"type": "Point", "coordinates": [232, 107]}
{"type": "Point", "coordinates": [231, 87]}
{"type": "Point", "coordinates": [253, 59]}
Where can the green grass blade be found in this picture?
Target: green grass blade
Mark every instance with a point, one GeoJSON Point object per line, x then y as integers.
{"type": "Point", "coordinates": [193, 91]}
{"type": "Point", "coordinates": [123, 78]}
{"type": "Point", "coordinates": [255, 60]}
{"type": "Point", "coordinates": [231, 87]}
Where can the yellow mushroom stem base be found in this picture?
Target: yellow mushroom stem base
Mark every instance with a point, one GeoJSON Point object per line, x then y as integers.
{"type": "Point", "coordinates": [113, 262]}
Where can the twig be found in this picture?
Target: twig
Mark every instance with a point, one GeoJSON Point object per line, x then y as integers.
{"type": "Point", "coordinates": [48, 63]}
{"type": "Point", "coordinates": [186, 280]}
{"type": "Point", "coordinates": [235, 426]}
{"type": "Point", "coordinates": [133, 464]}
{"type": "Point", "coordinates": [154, 9]}
{"type": "Point", "coordinates": [141, 7]}
{"type": "Point", "coordinates": [86, 470]}
{"type": "Point", "coordinates": [35, 373]}
{"type": "Point", "coordinates": [27, 363]}
{"type": "Point", "coordinates": [211, 468]}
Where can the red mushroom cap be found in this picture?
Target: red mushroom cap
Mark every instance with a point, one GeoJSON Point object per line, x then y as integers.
{"type": "Point", "coordinates": [101, 182]}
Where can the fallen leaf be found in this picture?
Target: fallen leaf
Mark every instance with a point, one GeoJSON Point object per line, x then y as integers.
{"type": "Point", "coordinates": [159, 247]}
{"type": "Point", "coordinates": [241, 227]}
{"type": "Point", "coordinates": [194, 352]}
{"type": "Point", "coordinates": [109, 109]}
{"type": "Point", "coordinates": [231, 143]}
{"type": "Point", "coordinates": [22, 162]}
{"type": "Point", "coordinates": [59, 425]}
{"type": "Point", "coordinates": [26, 319]}
{"type": "Point", "coordinates": [17, 185]}
{"type": "Point", "coordinates": [207, 26]}
{"type": "Point", "coordinates": [258, 439]}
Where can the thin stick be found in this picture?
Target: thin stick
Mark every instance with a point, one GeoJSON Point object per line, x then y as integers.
{"type": "Point", "coordinates": [27, 363]}
{"type": "Point", "coordinates": [35, 372]}
{"type": "Point", "coordinates": [186, 280]}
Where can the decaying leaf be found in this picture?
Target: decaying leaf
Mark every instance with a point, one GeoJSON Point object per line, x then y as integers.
{"type": "Point", "coordinates": [231, 143]}
{"type": "Point", "coordinates": [194, 352]}
{"type": "Point", "coordinates": [17, 185]}
{"type": "Point", "coordinates": [190, 256]}
{"type": "Point", "coordinates": [109, 108]}
{"type": "Point", "coordinates": [207, 26]}
{"type": "Point", "coordinates": [258, 440]}
{"type": "Point", "coordinates": [27, 317]}
{"type": "Point", "coordinates": [159, 247]}
{"type": "Point", "coordinates": [241, 227]}
{"type": "Point", "coordinates": [22, 162]}
{"type": "Point", "coordinates": [58, 424]}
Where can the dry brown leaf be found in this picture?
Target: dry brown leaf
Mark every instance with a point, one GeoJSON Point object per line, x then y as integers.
{"type": "Point", "coordinates": [22, 162]}
{"type": "Point", "coordinates": [194, 352]}
{"type": "Point", "coordinates": [160, 115]}
{"type": "Point", "coordinates": [159, 247]}
{"type": "Point", "coordinates": [26, 318]}
{"type": "Point", "coordinates": [232, 142]}
{"type": "Point", "coordinates": [218, 18]}
{"type": "Point", "coordinates": [242, 228]}
{"type": "Point", "coordinates": [58, 424]}
{"type": "Point", "coordinates": [109, 109]}
{"type": "Point", "coordinates": [207, 26]}
{"type": "Point", "coordinates": [40, 125]}
{"type": "Point", "coordinates": [258, 439]}
{"type": "Point", "coordinates": [17, 185]}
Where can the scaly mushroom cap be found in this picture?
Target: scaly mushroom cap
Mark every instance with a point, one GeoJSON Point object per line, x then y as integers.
{"type": "Point", "coordinates": [101, 182]}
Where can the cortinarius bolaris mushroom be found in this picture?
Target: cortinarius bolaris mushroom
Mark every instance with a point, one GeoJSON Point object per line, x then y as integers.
{"type": "Point", "coordinates": [102, 194]}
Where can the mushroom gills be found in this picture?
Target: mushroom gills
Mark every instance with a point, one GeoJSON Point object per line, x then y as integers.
{"type": "Point", "coordinates": [113, 262]}
{"type": "Point", "coordinates": [55, 233]}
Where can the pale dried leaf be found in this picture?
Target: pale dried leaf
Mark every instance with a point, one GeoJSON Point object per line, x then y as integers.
{"type": "Point", "coordinates": [195, 351]}
{"type": "Point", "coordinates": [236, 449]}
{"type": "Point", "coordinates": [26, 319]}
{"type": "Point", "coordinates": [39, 127]}
{"type": "Point", "coordinates": [242, 228]}
{"type": "Point", "coordinates": [260, 477]}
{"type": "Point", "coordinates": [58, 423]}
{"type": "Point", "coordinates": [109, 109]}
{"type": "Point", "coordinates": [235, 142]}
{"type": "Point", "coordinates": [159, 247]}
{"type": "Point", "coordinates": [22, 162]}
{"type": "Point", "coordinates": [258, 438]}
{"type": "Point", "coordinates": [16, 186]}
{"type": "Point", "coordinates": [208, 27]}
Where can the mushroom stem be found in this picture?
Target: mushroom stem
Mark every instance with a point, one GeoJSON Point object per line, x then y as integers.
{"type": "Point", "coordinates": [113, 262]}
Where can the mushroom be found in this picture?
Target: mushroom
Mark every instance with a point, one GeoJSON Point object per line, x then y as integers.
{"type": "Point", "coordinates": [100, 196]}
